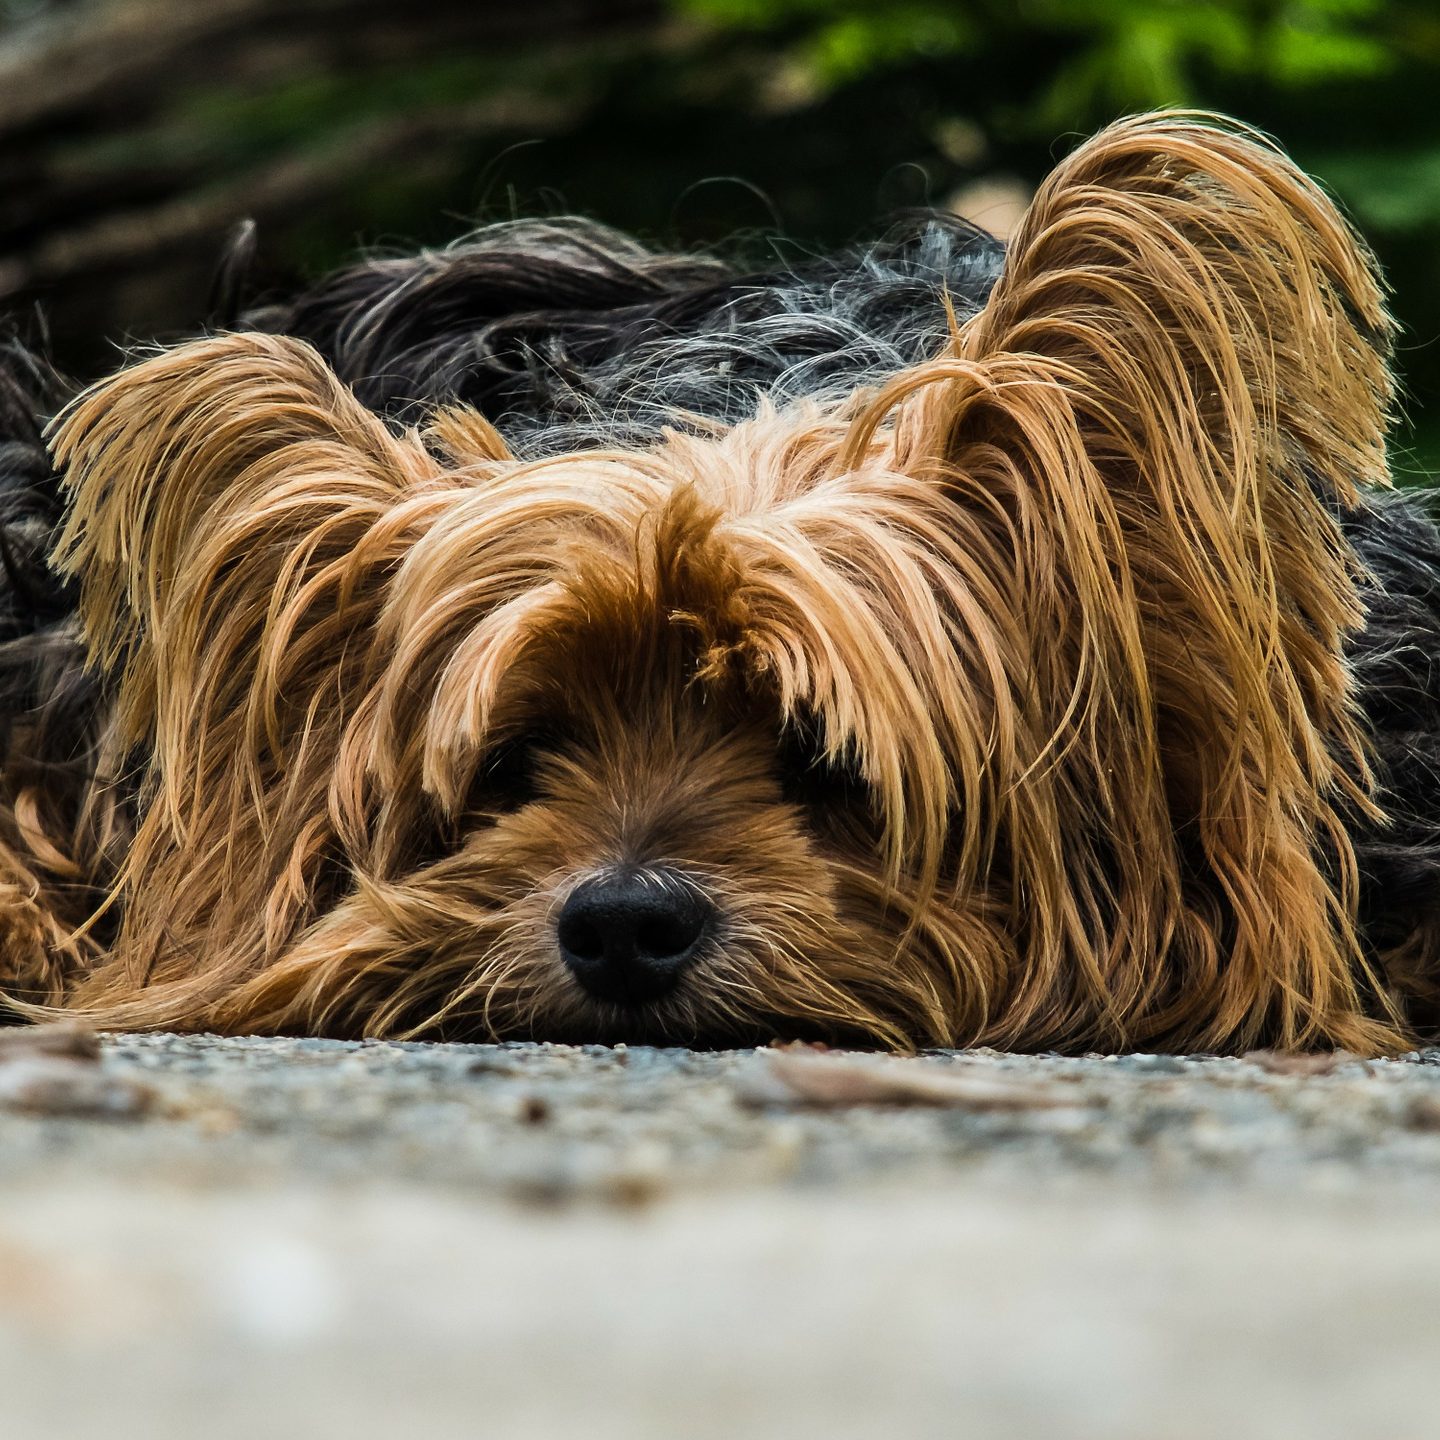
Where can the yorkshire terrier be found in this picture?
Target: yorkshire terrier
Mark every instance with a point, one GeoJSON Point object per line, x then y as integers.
{"type": "Point", "coordinates": [941, 643]}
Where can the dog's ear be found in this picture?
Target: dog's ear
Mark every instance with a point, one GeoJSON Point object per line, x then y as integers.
{"type": "Point", "coordinates": [222, 446]}
{"type": "Point", "coordinates": [1178, 380]}
{"type": "Point", "coordinates": [224, 498]}
{"type": "Point", "coordinates": [235, 517]}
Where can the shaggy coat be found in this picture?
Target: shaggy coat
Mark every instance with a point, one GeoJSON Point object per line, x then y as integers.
{"type": "Point", "coordinates": [1002, 647]}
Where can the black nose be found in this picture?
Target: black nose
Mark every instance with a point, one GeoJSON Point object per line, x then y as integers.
{"type": "Point", "coordinates": [628, 936]}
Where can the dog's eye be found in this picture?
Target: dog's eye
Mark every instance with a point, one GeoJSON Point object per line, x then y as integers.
{"type": "Point", "coordinates": [811, 777]}
{"type": "Point", "coordinates": [507, 777]}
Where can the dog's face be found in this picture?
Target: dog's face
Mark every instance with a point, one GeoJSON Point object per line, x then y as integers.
{"type": "Point", "coordinates": [660, 751]}
{"type": "Point", "coordinates": [654, 861]}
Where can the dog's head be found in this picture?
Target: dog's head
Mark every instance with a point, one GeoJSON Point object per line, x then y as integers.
{"type": "Point", "coordinates": [688, 723]}
{"type": "Point", "coordinates": [1004, 703]}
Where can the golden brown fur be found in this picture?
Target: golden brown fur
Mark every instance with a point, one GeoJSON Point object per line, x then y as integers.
{"type": "Point", "coordinates": [1059, 616]}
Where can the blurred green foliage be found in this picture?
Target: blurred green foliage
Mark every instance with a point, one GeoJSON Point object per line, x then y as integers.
{"type": "Point", "coordinates": [1126, 54]}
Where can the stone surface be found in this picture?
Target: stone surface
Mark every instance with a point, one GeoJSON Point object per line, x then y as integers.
{"type": "Point", "coordinates": [309, 1237]}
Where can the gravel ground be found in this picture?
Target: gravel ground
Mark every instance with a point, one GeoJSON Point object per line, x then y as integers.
{"type": "Point", "coordinates": [217, 1237]}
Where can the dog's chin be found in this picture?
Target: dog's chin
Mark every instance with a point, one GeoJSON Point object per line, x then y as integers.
{"type": "Point", "coordinates": [671, 1022]}
{"type": "Point", "coordinates": [710, 1008]}
{"type": "Point", "coordinates": [674, 1022]}
{"type": "Point", "coordinates": [569, 1017]}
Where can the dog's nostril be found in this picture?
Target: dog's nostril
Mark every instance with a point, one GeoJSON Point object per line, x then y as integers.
{"type": "Point", "coordinates": [628, 936]}
{"type": "Point", "coordinates": [667, 936]}
{"type": "Point", "coordinates": [579, 937]}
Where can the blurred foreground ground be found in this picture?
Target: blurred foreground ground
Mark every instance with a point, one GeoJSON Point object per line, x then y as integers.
{"type": "Point", "coordinates": [309, 1238]}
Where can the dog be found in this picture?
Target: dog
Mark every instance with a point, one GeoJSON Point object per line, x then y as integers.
{"type": "Point", "coordinates": [937, 644]}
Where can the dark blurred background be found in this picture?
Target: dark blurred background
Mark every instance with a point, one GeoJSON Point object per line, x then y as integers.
{"type": "Point", "coordinates": [134, 134]}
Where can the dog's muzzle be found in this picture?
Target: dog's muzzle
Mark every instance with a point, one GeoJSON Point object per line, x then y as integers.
{"type": "Point", "coordinates": [628, 935]}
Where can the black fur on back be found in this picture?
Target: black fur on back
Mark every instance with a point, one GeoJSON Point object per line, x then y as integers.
{"type": "Point", "coordinates": [569, 336]}
{"type": "Point", "coordinates": [38, 634]}
{"type": "Point", "coordinates": [31, 595]}
{"type": "Point", "coordinates": [1396, 661]}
